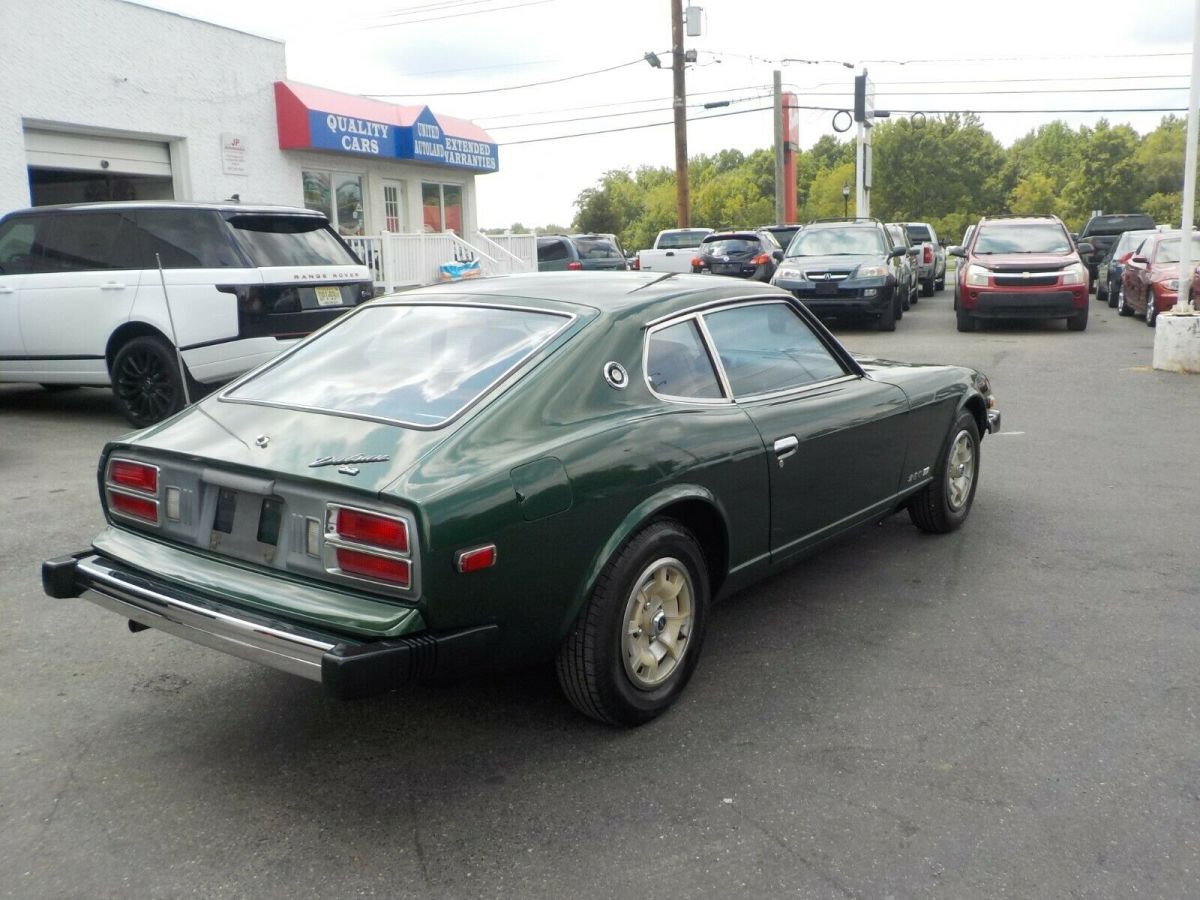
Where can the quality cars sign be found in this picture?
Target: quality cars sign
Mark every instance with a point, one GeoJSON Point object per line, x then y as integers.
{"type": "Point", "coordinates": [317, 119]}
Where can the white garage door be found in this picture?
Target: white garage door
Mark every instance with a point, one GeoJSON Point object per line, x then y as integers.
{"type": "Point", "coordinates": [85, 152]}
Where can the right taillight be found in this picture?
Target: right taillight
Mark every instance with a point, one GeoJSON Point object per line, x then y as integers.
{"type": "Point", "coordinates": [928, 254]}
{"type": "Point", "coordinates": [368, 544]}
{"type": "Point", "coordinates": [574, 266]}
{"type": "Point", "coordinates": [131, 490]}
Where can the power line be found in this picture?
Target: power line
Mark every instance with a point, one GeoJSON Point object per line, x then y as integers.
{"type": "Point", "coordinates": [517, 87]}
{"type": "Point", "coordinates": [631, 127]}
{"type": "Point", "coordinates": [939, 112]}
{"type": "Point", "coordinates": [543, 112]}
{"type": "Point", "coordinates": [615, 115]}
{"type": "Point", "coordinates": [475, 12]}
{"type": "Point", "coordinates": [977, 59]}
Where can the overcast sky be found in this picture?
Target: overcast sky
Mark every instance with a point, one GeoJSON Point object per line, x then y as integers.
{"type": "Point", "coordinates": [967, 55]}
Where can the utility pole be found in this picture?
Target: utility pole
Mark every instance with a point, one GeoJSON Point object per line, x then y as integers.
{"type": "Point", "coordinates": [780, 187]}
{"type": "Point", "coordinates": [679, 101]}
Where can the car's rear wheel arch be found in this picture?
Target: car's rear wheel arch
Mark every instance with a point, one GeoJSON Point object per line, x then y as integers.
{"type": "Point", "coordinates": [705, 522]}
{"type": "Point", "coordinates": [126, 333]}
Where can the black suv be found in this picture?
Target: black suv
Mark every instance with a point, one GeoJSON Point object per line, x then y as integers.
{"type": "Point", "coordinates": [1104, 231]}
{"type": "Point", "coordinates": [845, 267]}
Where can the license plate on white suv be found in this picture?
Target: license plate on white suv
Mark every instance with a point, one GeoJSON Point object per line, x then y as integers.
{"type": "Point", "coordinates": [329, 296]}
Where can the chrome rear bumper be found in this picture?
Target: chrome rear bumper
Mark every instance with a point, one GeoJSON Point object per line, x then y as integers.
{"type": "Point", "coordinates": [346, 667]}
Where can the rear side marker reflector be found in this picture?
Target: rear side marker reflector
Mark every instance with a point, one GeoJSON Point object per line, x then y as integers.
{"type": "Point", "coordinates": [379, 568]}
{"type": "Point", "coordinates": [474, 560]}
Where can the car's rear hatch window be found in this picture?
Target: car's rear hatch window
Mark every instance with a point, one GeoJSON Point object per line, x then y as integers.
{"type": "Point", "coordinates": [734, 245]}
{"type": "Point", "coordinates": [271, 239]}
{"type": "Point", "coordinates": [1117, 224]}
{"type": "Point", "coordinates": [419, 365]}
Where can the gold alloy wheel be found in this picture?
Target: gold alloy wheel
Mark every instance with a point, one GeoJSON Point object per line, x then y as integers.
{"type": "Point", "coordinates": [960, 471]}
{"type": "Point", "coordinates": [657, 623]}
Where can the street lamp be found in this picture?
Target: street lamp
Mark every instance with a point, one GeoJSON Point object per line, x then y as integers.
{"type": "Point", "coordinates": [845, 200]}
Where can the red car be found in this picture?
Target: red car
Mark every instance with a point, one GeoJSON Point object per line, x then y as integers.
{"type": "Point", "coordinates": [1021, 267]}
{"type": "Point", "coordinates": [1150, 283]}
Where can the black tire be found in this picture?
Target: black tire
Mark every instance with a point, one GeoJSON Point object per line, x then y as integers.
{"type": "Point", "coordinates": [966, 322]}
{"type": "Point", "coordinates": [1111, 296]}
{"type": "Point", "coordinates": [1123, 307]}
{"type": "Point", "coordinates": [596, 667]}
{"type": "Point", "coordinates": [146, 380]}
{"type": "Point", "coordinates": [927, 288]}
{"type": "Point", "coordinates": [940, 284]}
{"type": "Point", "coordinates": [60, 388]}
{"type": "Point", "coordinates": [944, 504]}
{"type": "Point", "coordinates": [1078, 322]}
{"type": "Point", "coordinates": [1151, 314]}
{"type": "Point", "coordinates": [1102, 291]}
{"type": "Point", "coordinates": [887, 318]}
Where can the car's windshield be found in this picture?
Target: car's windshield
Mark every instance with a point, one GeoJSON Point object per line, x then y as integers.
{"type": "Point", "coordinates": [837, 242]}
{"type": "Point", "coordinates": [1129, 240]}
{"type": "Point", "coordinates": [728, 246]}
{"type": "Point", "coordinates": [680, 240]}
{"type": "Point", "coordinates": [1033, 237]}
{"type": "Point", "coordinates": [406, 363]}
{"type": "Point", "coordinates": [1168, 250]}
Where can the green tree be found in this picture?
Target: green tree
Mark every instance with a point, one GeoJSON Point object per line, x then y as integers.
{"type": "Point", "coordinates": [1035, 194]}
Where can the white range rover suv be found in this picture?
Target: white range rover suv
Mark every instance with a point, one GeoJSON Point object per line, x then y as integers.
{"type": "Point", "coordinates": [82, 298]}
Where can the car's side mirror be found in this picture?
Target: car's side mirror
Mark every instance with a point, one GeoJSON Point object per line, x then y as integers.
{"type": "Point", "coordinates": [1139, 261]}
{"type": "Point", "coordinates": [1085, 249]}
{"type": "Point", "coordinates": [896, 252]}
{"type": "Point", "coordinates": [1075, 235]}
{"type": "Point", "coordinates": [778, 254]}
{"type": "Point", "coordinates": [956, 250]}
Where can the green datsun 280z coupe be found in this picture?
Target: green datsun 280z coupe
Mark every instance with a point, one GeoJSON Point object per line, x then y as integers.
{"type": "Point", "coordinates": [536, 467]}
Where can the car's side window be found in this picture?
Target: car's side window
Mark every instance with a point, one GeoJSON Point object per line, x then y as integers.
{"type": "Point", "coordinates": [87, 242]}
{"type": "Point", "coordinates": [17, 246]}
{"type": "Point", "coordinates": [767, 348]}
{"type": "Point", "coordinates": [551, 250]}
{"type": "Point", "coordinates": [677, 364]}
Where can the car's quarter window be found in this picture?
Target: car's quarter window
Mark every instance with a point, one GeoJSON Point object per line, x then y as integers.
{"type": "Point", "coordinates": [678, 365]}
{"type": "Point", "coordinates": [551, 249]}
{"type": "Point", "coordinates": [184, 239]}
{"type": "Point", "coordinates": [767, 347]}
{"type": "Point", "coordinates": [85, 242]}
{"type": "Point", "coordinates": [404, 363]}
{"type": "Point", "coordinates": [290, 240]}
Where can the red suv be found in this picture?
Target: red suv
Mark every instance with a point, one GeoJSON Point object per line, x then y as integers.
{"type": "Point", "coordinates": [1021, 267]}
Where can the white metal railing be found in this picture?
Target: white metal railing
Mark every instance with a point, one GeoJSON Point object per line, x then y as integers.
{"type": "Point", "coordinates": [409, 260]}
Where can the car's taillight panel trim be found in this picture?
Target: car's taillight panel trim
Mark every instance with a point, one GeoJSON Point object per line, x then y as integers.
{"type": "Point", "coordinates": [138, 494]}
{"type": "Point", "coordinates": [337, 547]}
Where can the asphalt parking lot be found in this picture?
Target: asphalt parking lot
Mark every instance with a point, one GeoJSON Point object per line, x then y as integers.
{"type": "Point", "coordinates": [1008, 711]}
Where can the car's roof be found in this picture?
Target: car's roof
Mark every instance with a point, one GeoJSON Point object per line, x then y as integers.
{"type": "Point", "coordinates": [655, 294]}
{"type": "Point", "coordinates": [175, 204]}
{"type": "Point", "coordinates": [1020, 220]}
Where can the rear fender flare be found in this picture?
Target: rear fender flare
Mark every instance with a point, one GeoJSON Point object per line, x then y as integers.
{"type": "Point", "coordinates": [630, 525]}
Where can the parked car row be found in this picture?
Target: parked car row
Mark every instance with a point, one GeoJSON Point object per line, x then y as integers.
{"type": "Point", "coordinates": [1150, 275]}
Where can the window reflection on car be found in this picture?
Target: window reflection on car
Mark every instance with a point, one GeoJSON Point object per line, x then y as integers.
{"type": "Point", "coordinates": [1030, 238]}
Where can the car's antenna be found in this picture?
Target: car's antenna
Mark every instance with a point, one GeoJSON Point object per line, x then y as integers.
{"type": "Point", "coordinates": [187, 400]}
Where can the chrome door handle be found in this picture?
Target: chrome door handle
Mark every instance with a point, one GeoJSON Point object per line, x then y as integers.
{"type": "Point", "coordinates": [112, 286]}
{"type": "Point", "coordinates": [5, 289]}
{"type": "Point", "coordinates": [785, 447]}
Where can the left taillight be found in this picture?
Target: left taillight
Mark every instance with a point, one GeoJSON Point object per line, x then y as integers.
{"type": "Point", "coordinates": [762, 259]}
{"type": "Point", "coordinates": [928, 258]}
{"type": "Point", "coordinates": [368, 544]}
{"type": "Point", "coordinates": [131, 490]}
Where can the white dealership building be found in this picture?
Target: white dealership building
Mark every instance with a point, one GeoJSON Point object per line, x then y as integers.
{"type": "Point", "coordinates": [110, 100]}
